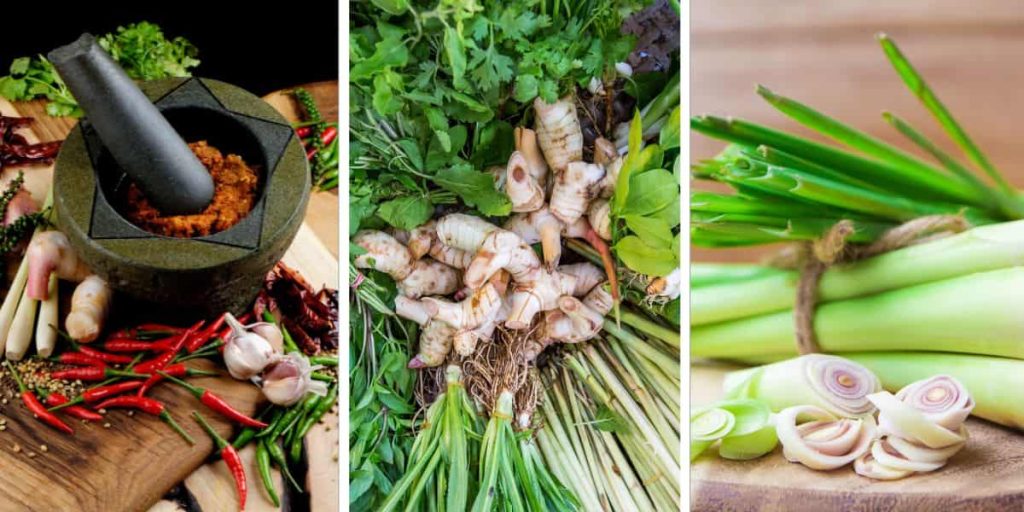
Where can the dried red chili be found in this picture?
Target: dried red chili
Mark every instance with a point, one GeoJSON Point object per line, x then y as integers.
{"type": "Point", "coordinates": [217, 403]}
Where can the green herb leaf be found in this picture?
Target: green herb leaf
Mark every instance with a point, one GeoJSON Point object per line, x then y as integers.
{"type": "Point", "coordinates": [651, 191]}
{"type": "Point", "coordinates": [645, 259]}
{"type": "Point", "coordinates": [406, 212]}
{"type": "Point", "coordinates": [669, 136]}
{"type": "Point", "coordinates": [394, 7]}
{"type": "Point", "coordinates": [636, 135]}
{"type": "Point", "coordinates": [653, 231]}
{"type": "Point", "coordinates": [475, 188]}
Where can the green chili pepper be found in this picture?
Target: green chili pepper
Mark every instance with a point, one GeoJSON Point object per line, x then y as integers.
{"type": "Point", "coordinates": [308, 403]}
{"type": "Point", "coordinates": [322, 407]}
{"type": "Point", "coordinates": [277, 455]}
{"type": "Point", "coordinates": [324, 377]}
{"type": "Point", "coordinates": [263, 464]}
{"type": "Point", "coordinates": [247, 434]}
{"type": "Point", "coordinates": [329, 361]}
{"type": "Point", "coordinates": [275, 420]}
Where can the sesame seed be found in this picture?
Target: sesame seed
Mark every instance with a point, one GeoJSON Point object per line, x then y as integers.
{"type": "Point", "coordinates": [44, 448]}
{"type": "Point", "coordinates": [16, 448]}
{"type": "Point", "coordinates": [106, 425]}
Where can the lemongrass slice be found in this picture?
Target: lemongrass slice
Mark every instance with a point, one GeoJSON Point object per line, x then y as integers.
{"type": "Point", "coordinates": [866, 465]}
{"type": "Point", "coordinates": [942, 399]}
{"type": "Point", "coordinates": [706, 427]}
{"type": "Point", "coordinates": [832, 383]}
{"type": "Point", "coordinates": [900, 419]}
{"type": "Point", "coordinates": [828, 447]}
{"type": "Point", "coordinates": [916, 452]}
{"type": "Point", "coordinates": [753, 434]}
{"type": "Point", "coordinates": [886, 455]}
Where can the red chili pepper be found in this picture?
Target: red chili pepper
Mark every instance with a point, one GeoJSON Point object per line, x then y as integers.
{"type": "Point", "coordinates": [148, 406]}
{"type": "Point", "coordinates": [103, 356]}
{"type": "Point", "coordinates": [92, 395]}
{"type": "Point", "coordinates": [77, 359]}
{"type": "Point", "coordinates": [177, 370]}
{"type": "Point", "coordinates": [148, 328]}
{"type": "Point", "coordinates": [328, 135]}
{"type": "Point", "coordinates": [34, 405]}
{"type": "Point", "coordinates": [93, 373]}
{"type": "Point", "coordinates": [231, 459]}
{"type": "Point", "coordinates": [217, 403]}
{"type": "Point", "coordinates": [310, 153]}
{"type": "Point", "coordinates": [54, 399]}
{"type": "Point", "coordinates": [130, 345]}
{"type": "Point", "coordinates": [200, 339]}
{"type": "Point", "coordinates": [160, 362]}
{"type": "Point", "coordinates": [304, 131]}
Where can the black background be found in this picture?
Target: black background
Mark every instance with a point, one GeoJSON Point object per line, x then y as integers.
{"type": "Point", "coordinates": [259, 46]}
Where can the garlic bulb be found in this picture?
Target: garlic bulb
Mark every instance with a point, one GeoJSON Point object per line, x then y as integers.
{"type": "Point", "coordinates": [286, 380]}
{"type": "Point", "coordinates": [246, 353]}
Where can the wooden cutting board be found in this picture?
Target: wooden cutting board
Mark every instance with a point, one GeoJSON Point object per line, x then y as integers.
{"type": "Point", "coordinates": [988, 474]}
{"type": "Point", "coordinates": [137, 459]}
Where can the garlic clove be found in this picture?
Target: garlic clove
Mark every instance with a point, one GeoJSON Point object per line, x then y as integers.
{"type": "Point", "coordinates": [246, 353]}
{"type": "Point", "coordinates": [288, 378]}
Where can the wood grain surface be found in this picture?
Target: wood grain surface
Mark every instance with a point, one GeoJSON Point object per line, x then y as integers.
{"type": "Point", "coordinates": [988, 474]}
{"type": "Point", "coordinates": [825, 55]}
{"type": "Point", "coordinates": [135, 461]}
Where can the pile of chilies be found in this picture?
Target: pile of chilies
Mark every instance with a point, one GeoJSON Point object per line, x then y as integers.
{"type": "Point", "coordinates": [945, 306]}
{"type": "Point", "coordinates": [126, 366]}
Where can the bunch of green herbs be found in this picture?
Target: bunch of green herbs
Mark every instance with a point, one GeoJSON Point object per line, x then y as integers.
{"type": "Point", "coordinates": [141, 49]}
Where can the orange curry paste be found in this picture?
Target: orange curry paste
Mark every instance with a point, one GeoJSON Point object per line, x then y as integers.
{"type": "Point", "coordinates": [234, 194]}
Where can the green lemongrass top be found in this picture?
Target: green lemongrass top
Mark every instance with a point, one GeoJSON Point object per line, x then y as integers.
{"type": "Point", "coordinates": [978, 250]}
{"type": "Point", "coordinates": [974, 314]}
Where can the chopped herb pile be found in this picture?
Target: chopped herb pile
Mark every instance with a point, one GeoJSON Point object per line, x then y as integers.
{"type": "Point", "coordinates": [140, 48]}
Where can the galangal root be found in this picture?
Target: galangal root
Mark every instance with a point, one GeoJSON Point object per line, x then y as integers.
{"type": "Point", "coordinates": [50, 252]}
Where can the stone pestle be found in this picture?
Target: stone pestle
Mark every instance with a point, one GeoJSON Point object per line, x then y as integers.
{"type": "Point", "coordinates": [137, 135]}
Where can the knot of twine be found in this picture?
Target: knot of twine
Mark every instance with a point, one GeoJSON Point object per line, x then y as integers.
{"type": "Point", "coordinates": [814, 258]}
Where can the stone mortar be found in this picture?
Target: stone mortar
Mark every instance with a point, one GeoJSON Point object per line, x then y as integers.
{"type": "Point", "coordinates": [212, 274]}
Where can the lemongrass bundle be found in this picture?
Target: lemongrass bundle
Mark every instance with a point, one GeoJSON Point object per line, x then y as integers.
{"type": "Point", "coordinates": [440, 462]}
{"type": "Point", "coordinates": [980, 249]}
{"type": "Point", "coordinates": [973, 314]}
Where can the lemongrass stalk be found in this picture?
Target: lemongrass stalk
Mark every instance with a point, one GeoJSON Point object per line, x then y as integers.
{"type": "Point", "coordinates": [646, 326]}
{"type": "Point", "coordinates": [858, 140]}
{"type": "Point", "coordinates": [642, 347]}
{"type": "Point", "coordinates": [11, 300]}
{"type": "Point", "coordinates": [627, 407]}
{"type": "Point", "coordinates": [994, 383]}
{"type": "Point", "coordinates": [917, 85]}
{"type": "Point", "coordinates": [22, 327]}
{"type": "Point", "coordinates": [705, 274]}
{"type": "Point", "coordinates": [712, 202]}
{"type": "Point", "coordinates": [973, 314]}
{"type": "Point", "coordinates": [977, 250]}
{"type": "Point", "coordinates": [1008, 205]}
{"type": "Point", "coordinates": [557, 459]}
{"type": "Point", "coordinates": [561, 436]}
{"type": "Point", "coordinates": [584, 433]}
{"type": "Point", "coordinates": [805, 186]}
{"type": "Point", "coordinates": [622, 494]}
{"type": "Point", "coordinates": [660, 486]}
{"type": "Point", "coordinates": [776, 156]}
{"type": "Point", "coordinates": [46, 324]}
{"type": "Point", "coordinates": [884, 175]}
{"type": "Point", "coordinates": [624, 471]}
{"type": "Point", "coordinates": [638, 393]}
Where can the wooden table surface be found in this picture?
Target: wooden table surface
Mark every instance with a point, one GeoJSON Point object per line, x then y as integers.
{"type": "Point", "coordinates": [824, 54]}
